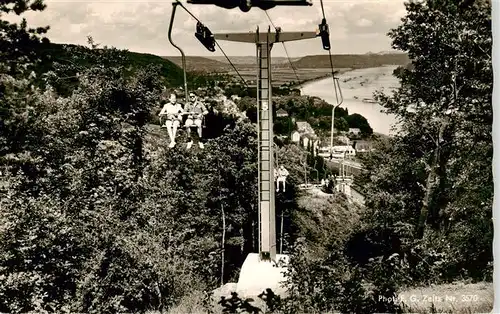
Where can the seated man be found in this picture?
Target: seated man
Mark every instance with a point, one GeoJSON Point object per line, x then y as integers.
{"type": "Point", "coordinates": [282, 173]}
{"type": "Point", "coordinates": [173, 111]}
{"type": "Point", "coordinates": [195, 110]}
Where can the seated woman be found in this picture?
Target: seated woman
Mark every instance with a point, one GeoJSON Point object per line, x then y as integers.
{"type": "Point", "coordinates": [173, 111]}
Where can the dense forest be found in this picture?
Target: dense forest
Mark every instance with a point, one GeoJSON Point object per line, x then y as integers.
{"type": "Point", "coordinates": [98, 216]}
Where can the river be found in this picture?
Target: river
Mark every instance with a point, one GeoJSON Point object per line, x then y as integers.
{"type": "Point", "coordinates": [359, 85]}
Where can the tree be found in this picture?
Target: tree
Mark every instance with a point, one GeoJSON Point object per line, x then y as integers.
{"type": "Point", "coordinates": [248, 105]}
{"type": "Point", "coordinates": [18, 43]}
{"type": "Point", "coordinates": [430, 173]}
{"type": "Point", "coordinates": [341, 124]}
{"type": "Point", "coordinates": [283, 126]}
{"type": "Point", "coordinates": [356, 120]}
{"type": "Point", "coordinates": [18, 59]}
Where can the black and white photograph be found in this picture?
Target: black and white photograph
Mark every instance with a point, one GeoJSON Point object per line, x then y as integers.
{"type": "Point", "coordinates": [248, 156]}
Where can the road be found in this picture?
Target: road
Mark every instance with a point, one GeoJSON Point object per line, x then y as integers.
{"type": "Point", "coordinates": [347, 162]}
{"type": "Point", "coordinates": [350, 167]}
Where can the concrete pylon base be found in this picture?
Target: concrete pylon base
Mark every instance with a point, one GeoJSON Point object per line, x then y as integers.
{"type": "Point", "coordinates": [256, 275]}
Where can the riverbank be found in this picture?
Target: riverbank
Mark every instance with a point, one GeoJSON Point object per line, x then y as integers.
{"type": "Point", "coordinates": [320, 78]}
{"type": "Point", "coordinates": [358, 87]}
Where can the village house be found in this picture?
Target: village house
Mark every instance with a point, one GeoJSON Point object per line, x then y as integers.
{"type": "Point", "coordinates": [354, 131]}
{"type": "Point", "coordinates": [347, 150]}
{"type": "Point", "coordinates": [280, 113]}
{"type": "Point", "coordinates": [305, 135]}
{"type": "Point", "coordinates": [363, 146]}
{"type": "Point", "coordinates": [304, 128]}
{"type": "Point", "coordinates": [343, 139]}
{"type": "Point", "coordinates": [304, 141]}
{"type": "Point", "coordinates": [310, 140]}
{"type": "Point", "coordinates": [295, 136]}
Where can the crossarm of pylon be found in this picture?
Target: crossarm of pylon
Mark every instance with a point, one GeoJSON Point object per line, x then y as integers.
{"type": "Point", "coordinates": [251, 37]}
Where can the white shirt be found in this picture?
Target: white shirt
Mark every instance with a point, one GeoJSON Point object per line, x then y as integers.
{"type": "Point", "coordinates": [282, 172]}
{"type": "Point", "coordinates": [171, 109]}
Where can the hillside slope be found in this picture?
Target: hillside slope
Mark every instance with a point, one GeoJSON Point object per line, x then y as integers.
{"type": "Point", "coordinates": [200, 64]}
{"type": "Point", "coordinates": [64, 54]}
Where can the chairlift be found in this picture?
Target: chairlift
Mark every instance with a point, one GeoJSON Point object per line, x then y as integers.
{"type": "Point", "coordinates": [207, 39]}
{"type": "Point", "coordinates": [280, 177]}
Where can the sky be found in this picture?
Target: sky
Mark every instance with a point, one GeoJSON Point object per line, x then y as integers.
{"type": "Point", "coordinates": [356, 26]}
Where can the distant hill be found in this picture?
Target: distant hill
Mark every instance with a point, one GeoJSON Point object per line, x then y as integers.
{"type": "Point", "coordinates": [387, 52]}
{"type": "Point", "coordinates": [249, 60]}
{"type": "Point", "coordinates": [202, 64]}
{"type": "Point", "coordinates": [353, 61]}
{"type": "Point", "coordinates": [171, 73]}
{"type": "Point", "coordinates": [219, 63]}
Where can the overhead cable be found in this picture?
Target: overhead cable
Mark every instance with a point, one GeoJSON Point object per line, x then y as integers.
{"type": "Point", "coordinates": [284, 47]}
{"type": "Point", "coordinates": [222, 50]}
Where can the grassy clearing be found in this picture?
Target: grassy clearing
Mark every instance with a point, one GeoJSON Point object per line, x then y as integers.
{"type": "Point", "coordinates": [457, 298]}
{"type": "Point", "coordinates": [451, 298]}
{"type": "Point", "coordinates": [191, 303]}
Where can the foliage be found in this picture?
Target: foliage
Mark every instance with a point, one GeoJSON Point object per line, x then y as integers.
{"type": "Point", "coordinates": [284, 126]}
{"type": "Point", "coordinates": [432, 183]}
{"type": "Point", "coordinates": [321, 277]}
{"type": "Point", "coordinates": [330, 283]}
{"type": "Point", "coordinates": [248, 105]}
{"type": "Point", "coordinates": [75, 182]}
{"type": "Point", "coordinates": [341, 123]}
{"type": "Point", "coordinates": [240, 91]}
{"type": "Point", "coordinates": [358, 121]}
{"type": "Point", "coordinates": [130, 221]}
{"type": "Point", "coordinates": [316, 112]}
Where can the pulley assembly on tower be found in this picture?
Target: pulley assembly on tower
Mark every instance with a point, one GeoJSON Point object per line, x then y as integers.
{"type": "Point", "coordinates": [324, 33]}
{"type": "Point", "coordinates": [205, 36]}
